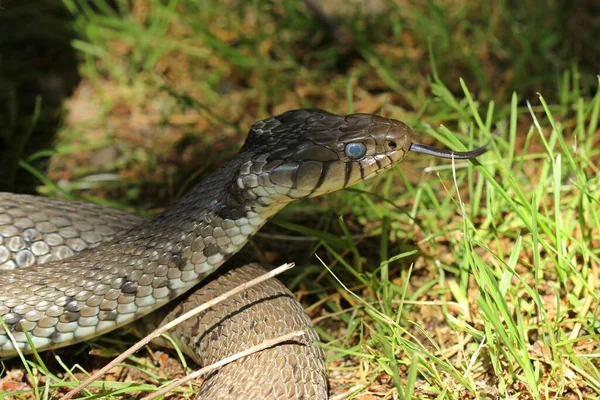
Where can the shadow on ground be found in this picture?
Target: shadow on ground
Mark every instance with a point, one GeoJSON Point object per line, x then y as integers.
{"type": "Point", "coordinates": [38, 69]}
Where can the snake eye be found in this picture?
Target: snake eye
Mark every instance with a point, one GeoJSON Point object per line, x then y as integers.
{"type": "Point", "coordinates": [355, 151]}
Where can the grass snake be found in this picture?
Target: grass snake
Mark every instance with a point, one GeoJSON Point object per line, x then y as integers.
{"type": "Point", "coordinates": [72, 271]}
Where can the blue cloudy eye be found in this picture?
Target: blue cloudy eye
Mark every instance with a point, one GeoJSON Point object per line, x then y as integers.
{"type": "Point", "coordinates": [355, 150]}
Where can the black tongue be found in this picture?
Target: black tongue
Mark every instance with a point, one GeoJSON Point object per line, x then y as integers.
{"type": "Point", "coordinates": [445, 153]}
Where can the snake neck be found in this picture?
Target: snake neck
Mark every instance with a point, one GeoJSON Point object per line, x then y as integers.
{"type": "Point", "coordinates": [211, 222]}
{"type": "Point", "coordinates": [222, 198]}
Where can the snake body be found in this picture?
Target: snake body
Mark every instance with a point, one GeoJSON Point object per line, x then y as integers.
{"type": "Point", "coordinates": [90, 269]}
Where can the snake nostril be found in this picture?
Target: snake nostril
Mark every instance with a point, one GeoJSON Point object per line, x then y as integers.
{"type": "Point", "coordinates": [392, 145]}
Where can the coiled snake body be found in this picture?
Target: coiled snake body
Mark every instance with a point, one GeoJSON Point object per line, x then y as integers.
{"type": "Point", "coordinates": [93, 269]}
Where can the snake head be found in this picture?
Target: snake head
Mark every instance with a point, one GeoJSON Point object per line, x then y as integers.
{"type": "Point", "coordinates": [310, 152]}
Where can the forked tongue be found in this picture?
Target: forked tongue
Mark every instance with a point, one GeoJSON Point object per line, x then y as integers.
{"type": "Point", "coordinates": [445, 153]}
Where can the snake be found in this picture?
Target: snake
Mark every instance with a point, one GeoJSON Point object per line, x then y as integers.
{"type": "Point", "coordinates": [71, 271]}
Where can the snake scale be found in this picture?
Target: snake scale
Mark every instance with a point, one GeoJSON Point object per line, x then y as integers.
{"type": "Point", "coordinates": [72, 271]}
